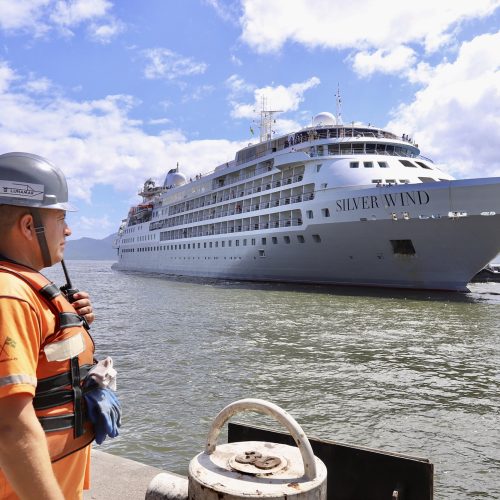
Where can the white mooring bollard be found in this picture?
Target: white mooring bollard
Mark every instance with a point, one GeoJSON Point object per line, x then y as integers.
{"type": "Point", "coordinates": [255, 469]}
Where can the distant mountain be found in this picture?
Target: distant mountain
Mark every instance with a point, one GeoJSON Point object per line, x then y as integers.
{"type": "Point", "coordinates": [90, 249]}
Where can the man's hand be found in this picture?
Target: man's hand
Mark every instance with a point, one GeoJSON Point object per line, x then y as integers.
{"type": "Point", "coordinates": [83, 306]}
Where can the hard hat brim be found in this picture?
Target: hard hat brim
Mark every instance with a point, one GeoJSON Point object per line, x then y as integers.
{"type": "Point", "coordinates": [62, 206]}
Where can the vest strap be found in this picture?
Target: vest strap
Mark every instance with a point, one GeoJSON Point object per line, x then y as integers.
{"type": "Point", "coordinates": [69, 319]}
{"type": "Point", "coordinates": [77, 397]}
{"type": "Point", "coordinates": [50, 291]}
{"type": "Point", "coordinates": [59, 423]}
{"type": "Point", "coordinates": [60, 381]}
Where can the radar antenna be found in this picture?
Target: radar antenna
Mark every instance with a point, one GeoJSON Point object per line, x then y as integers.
{"type": "Point", "coordinates": [338, 115]}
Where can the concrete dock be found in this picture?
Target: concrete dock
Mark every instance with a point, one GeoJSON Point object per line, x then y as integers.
{"type": "Point", "coordinates": [117, 478]}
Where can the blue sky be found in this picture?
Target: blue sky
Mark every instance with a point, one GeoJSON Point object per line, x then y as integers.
{"type": "Point", "coordinates": [115, 92]}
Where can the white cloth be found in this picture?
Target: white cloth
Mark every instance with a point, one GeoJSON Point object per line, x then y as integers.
{"type": "Point", "coordinates": [104, 374]}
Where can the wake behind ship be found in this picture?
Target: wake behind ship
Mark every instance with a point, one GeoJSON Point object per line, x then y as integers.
{"type": "Point", "coordinates": [332, 204]}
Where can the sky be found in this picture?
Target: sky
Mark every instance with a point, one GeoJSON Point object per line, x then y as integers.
{"type": "Point", "coordinates": [116, 92]}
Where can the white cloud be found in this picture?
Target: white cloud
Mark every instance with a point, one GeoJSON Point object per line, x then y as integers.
{"type": "Point", "coordinates": [73, 12]}
{"type": "Point", "coordinates": [104, 33]}
{"type": "Point", "coordinates": [364, 24]}
{"type": "Point", "coordinates": [456, 115]}
{"type": "Point", "coordinates": [96, 142]}
{"type": "Point", "coordinates": [229, 11]}
{"type": "Point", "coordinates": [398, 61]}
{"type": "Point", "coordinates": [238, 86]}
{"type": "Point", "coordinates": [159, 121]}
{"type": "Point", "coordinates": [7, 76]}
{"type": "Point", "coordinates": [40, 17]}
{"type": "Point", "coordinates": [276, 98]}
{"type": "Point", "coordinates": [166, 64]}
{"type": "Point", "coordinates": [198, 93]}
{"type": "Point", "coordinates": [26, 15]}
{"type": "Point", "coordinates": [38, 85]}
{"type": "Point", "coordinates": [236, 61]}
{"type": "Point", "coordinates": [94, 223]}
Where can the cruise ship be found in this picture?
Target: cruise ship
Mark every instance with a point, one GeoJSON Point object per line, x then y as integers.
{"type": "Point", "coordinates": [329, 204]}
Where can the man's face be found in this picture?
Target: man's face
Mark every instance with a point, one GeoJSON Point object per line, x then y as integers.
{"type": "Point", "coordinates": [56, 231]}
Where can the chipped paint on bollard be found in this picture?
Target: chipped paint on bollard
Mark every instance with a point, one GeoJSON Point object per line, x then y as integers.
{"type": "Point", "coordinates": [166, 486]}
{"type": "Point", "coordinates": [255, 469]}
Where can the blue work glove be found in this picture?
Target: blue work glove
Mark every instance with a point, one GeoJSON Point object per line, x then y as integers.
{"type": "Point", "coordinates": [103, 410]}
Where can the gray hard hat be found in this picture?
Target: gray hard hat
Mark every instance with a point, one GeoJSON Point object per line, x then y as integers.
{"type": "Point", "coordinates": [29, 180]}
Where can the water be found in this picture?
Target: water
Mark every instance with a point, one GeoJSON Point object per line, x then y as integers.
{"type": "Point", "coordinates": [410, 372]}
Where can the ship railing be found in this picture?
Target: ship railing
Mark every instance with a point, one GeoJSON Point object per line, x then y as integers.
{"type": "Point", "coordinates": [237, 228]}
{"type": "Point", "coordinates": [310, 135]}
{"type": "Point", "coordinates": [285, 200]}
{"type": "Point", "coordinates": [182, 208]}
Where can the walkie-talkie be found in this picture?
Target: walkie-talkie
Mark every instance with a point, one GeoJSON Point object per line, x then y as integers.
{"type": "Point", "coordinates": [69, 292]}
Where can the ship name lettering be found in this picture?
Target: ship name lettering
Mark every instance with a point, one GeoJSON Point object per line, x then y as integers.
{"type": "Point", "coordinates": [403, 199]}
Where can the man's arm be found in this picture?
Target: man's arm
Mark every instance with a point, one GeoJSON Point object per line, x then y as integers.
{"type": "Point", "coordinates": [24, 456]}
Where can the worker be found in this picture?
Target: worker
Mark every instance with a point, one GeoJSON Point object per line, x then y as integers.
{"type": "Point", "coordinates": [45, 350]}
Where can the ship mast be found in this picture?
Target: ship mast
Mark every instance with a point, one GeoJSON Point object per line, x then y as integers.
{"type": "Point", "coordinates": [266, 121]}
{"type": "Point", "coordinates": [338, 115]}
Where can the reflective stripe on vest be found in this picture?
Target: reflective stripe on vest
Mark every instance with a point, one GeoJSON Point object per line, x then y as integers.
{"type": "Point", "coordinates": [58, 400]}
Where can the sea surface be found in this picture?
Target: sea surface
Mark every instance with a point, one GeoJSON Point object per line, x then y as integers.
{"type": "Point", "coordinates": [402, 371]}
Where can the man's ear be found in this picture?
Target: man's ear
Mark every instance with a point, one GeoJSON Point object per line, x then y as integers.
{"type": "Point", "coordinates": [27, 226]}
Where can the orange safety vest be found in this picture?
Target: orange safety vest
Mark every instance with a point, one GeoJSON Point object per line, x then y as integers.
{"type": "Point", "coordinates": [66, 355]}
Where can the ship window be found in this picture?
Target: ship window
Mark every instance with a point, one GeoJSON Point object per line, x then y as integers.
{"type": "Point", "coordinates": [407, 163]}
{"type": "Point", "coordinates": [216, 244]}
{"type": "Point", "coordinates": [383, 164]}
{"type": "Point", "coordinates": [316, 238]}
{"type": "Point", "coordinates": [262, 253]}
{"type": "Point", "coordinates": [210, 244]}
{"type": "Point", "coordinates": [368, 164]}
{"type": "Point", "coordinates": [403, 247]}
{"type": "Point", "coordinates": [354, 164]}
{"type": "Point", "coordinates": [229, 243]}
{"type": "Point", "coordinates": [199, 244]}
{"type": "Point", "coordinates": [253, 241]}
{"type": "Point", "coordinates": [318, 168]}
{"type": "Point", "coordinates": [223, 243]}
{"type": "Point", "coordinates": [274, 240]}
{"type": "Point", "coordinates": [205, 245]}
{"type": "Point", "coordinates": [245, 242]}
{"type": "Point", "coordinates": [237, 243]}
{"type": "Point", "coordinates": [404, 181]}
{"type": "Point", "coordinates": [189, 246]}
{"type": "Point", "coordinates": [423, 165]}
{"type": "Point", "coordinates": [325, 212]}
{"type": "Point", "coordinates": [376, 181]}
{"type": "Point", "coordinates": [310, 214]}
{"type": "Point", "coordinates": [264, 241]}
{"type": "Point", "coordinates": [427, 179]}
{"type": "Point", "coordinates": [301, 238]}
{"type": "Point", "coordinates": [286, 239]}
{"type": "Point", "coordinates": [391, 181]}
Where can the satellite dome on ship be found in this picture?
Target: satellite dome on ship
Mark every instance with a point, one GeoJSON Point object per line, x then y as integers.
{"type": "Point", "coordinates": [174, 179]}
{"type": "Point", "coordinates": [324, 118]}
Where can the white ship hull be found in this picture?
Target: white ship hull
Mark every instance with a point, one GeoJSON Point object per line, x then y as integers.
{"type": "Point", "coordinates": [425, 235]}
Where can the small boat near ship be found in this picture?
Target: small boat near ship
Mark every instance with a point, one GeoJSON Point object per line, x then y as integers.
{"type": "Point", "coordinates": [328, 204]}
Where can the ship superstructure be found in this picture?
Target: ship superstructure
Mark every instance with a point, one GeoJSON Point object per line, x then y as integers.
{"type": "Point", "coordinates": [331, 203]}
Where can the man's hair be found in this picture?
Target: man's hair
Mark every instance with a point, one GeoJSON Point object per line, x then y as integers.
{"type": "Point", "coordinates": [9, 214]}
